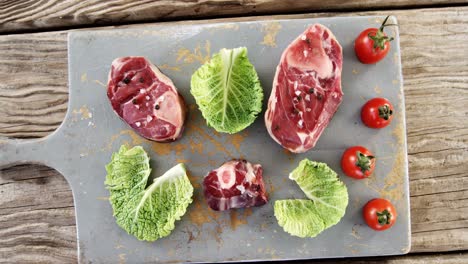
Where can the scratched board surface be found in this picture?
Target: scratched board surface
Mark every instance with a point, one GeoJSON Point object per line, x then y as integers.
{"type": "Point", "coordinates": [91, 132]}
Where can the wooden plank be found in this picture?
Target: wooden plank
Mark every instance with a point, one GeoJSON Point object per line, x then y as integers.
{"type": "Point", "coordinates": [37, 216]}
{"type": "Point", "coordinates": [434, 43]}
{"type": "Point", "coordinates": [33, 86]}
{"type": "Point", "coordinates": [20, 15]}
{"type": "Point", "coordinates": [436, 93]}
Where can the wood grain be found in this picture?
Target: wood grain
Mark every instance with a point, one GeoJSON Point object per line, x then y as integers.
{"type": "Point", "coordinates": [436, 92]}
{"type": "Point", "coordinates": [37, 216]}
{"type": "Point", "coordinates": [21, 15]}
{"type": "Point", "coordinates": [436, 95]}
{"type": "Point", "coordinates": [33, 84]}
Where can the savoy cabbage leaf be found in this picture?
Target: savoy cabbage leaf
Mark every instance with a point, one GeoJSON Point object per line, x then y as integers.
{"type": "Point", "coordinates": [327, 205]}
{"type": "Point", "coordinates": [227, 91]}
{"type": "Point", "coordinates": [148, 213]}
{"type": "Point", "coordinates": [299, 217]}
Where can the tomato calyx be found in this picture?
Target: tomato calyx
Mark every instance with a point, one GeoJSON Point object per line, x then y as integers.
{"type": "Point", "coordinates": [364, 162]}
{"type": "Point", "coordinates": [384, 217]}
{"type": "Point", "coordinates": [385, 112]}
{"type": "Point", "coordinates": [379, 37]}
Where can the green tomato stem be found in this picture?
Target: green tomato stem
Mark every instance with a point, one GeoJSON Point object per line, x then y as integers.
{"type": "Point", "coordinates": [364, 162]}
{"type": "Point", "coordinates": [384, 217]}
{"type": "Point", "coordinates": [385, 112]}
{"type": "Point", "coordinates": [379, 38]}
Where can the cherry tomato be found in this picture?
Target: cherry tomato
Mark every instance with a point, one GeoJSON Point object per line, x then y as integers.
{"type": "Point", "coordinates": [379, 214]}
{"type": "Point", "coordinates": [372, 45]}
{"type": "Point", "coordinates": [358, 162]}
{"type": "Point", "coordinates": [377, 113]}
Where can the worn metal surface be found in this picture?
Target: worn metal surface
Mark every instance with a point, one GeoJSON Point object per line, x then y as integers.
{"type": "Point", "coordinates": [83, 144]}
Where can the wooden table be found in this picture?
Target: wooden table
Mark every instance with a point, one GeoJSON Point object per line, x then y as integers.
{"type": "Point", "coordinates": [37, 222]}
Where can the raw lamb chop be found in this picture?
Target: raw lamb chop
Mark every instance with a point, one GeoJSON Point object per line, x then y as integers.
{"type": "Point", "coordinates": [236, 184]}
{"type": "Point", "coordinates": [146, 99]}
{"type": "Point", "coordinates": [306, 89]}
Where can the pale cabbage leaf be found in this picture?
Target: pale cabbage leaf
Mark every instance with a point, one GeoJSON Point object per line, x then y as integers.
{"type": "Point", "coordinates": [298, 217]}
{"type": "Point", "coordinates": [327, 205]}
{"type": "Point", "coordinates": [148, 213]}
{"type": "Point", "coordinates": [227, 91]}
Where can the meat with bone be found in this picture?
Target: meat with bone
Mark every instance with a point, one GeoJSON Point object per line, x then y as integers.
{"type": "Point", "coordinates": [236, 184]}
{"type": "Point", "coordinates": [146, 99]}
{"type": "Point", "coordinates": [306, 89]}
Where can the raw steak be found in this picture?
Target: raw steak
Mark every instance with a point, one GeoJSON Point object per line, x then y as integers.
{"type": "Point", "coordinates": [146, 99]}
{"type": "Point", "coordinates": [236, 184]}
{"type": "Point", "coordinates": [306, 89]}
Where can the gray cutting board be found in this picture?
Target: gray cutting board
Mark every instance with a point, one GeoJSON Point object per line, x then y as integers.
{"type": "Point", "coordinates": [91, 132]}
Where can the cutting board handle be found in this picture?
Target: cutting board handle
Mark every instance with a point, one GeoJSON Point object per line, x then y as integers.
{"type": "Point", "coordinates": [18, 151]}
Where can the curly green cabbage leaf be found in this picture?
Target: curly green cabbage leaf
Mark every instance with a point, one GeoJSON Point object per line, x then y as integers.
{"type": "Point", "coordinates": [299, 217]}
{"type": "Point", "coordinates": [327, 205]}
{"type": "Point", "coordinates": [148, 213]}
{"type": "Point", "coordinates": [227, 91]}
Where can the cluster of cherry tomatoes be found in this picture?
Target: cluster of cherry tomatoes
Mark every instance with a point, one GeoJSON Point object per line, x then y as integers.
{"type": "Point", "coordinates": [371, 46]}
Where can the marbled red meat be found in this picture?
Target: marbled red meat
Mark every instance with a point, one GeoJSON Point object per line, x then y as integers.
{"type": "Point", "coordinates": [146, 99]}
{"type": "Point", "coordinates": [306, 89]}
{"type": "Point", "coordinates": [236, 184]}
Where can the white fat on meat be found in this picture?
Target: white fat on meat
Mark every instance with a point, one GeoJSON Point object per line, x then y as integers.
{"type": "Point", "coordinates": [303, 136]}
{"type": "Point", "coordinates": [300, 123]}
{"type": "Point", "coordinates": [241, 188]}
{"type": "Point", "coordinates": [326, 44]}
{"type": "Point", "coordinates": [250, 174]}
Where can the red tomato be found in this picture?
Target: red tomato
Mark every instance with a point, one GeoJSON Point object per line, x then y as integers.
{"type": "Point", "coordinates": [372, 45]}
{"type": "Point", "coordinates": [379, 214]}
{"type": "Point", "coordinates": [377, 113]}
{"type": "Point", "coordinates": [358, 162]}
